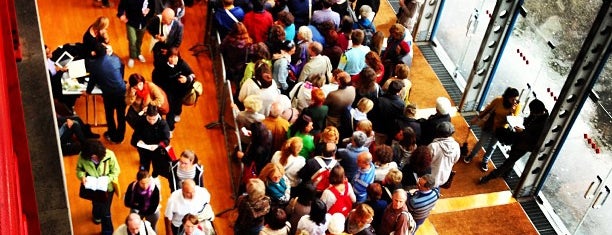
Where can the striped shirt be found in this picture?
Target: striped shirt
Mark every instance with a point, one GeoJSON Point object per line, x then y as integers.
{"type": "Point", "coordinates": [183, 175]}
{"type": "Point", "coordinates": [421, 202]}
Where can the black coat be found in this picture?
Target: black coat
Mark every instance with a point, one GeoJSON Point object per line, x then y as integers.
{"type": "Point", "coordinates": [166, 77]}
{"type": "Point", "coordinates": [157, 133]}
{"type": "Point", "coordinates": [136, 200]}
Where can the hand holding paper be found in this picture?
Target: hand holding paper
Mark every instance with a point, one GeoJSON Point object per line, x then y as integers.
{"type": "Point", "coordinates": [150, 147]}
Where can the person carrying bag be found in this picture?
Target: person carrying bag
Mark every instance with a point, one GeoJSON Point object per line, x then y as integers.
{"type": "Point", "coordinates": [96, 163]}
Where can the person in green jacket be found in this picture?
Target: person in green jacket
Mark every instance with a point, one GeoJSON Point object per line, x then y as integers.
{"type": "Point", "coordinates": [97, 161]}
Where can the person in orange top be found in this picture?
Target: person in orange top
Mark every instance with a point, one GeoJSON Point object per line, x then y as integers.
{"type": "Point", "coordinates": [492, 118]}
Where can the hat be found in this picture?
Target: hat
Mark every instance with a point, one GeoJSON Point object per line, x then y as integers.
{"type": "Point", "coordinates": [445, 129]}
{"type": "Point", "coordinates": [443, 105]}
{"type": "Point", "coordinates": [360, 138]}
{"type": "Point", "coordinates": [336, 224]}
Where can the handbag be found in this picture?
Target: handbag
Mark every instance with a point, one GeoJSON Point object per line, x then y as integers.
{"type": "Point", "coordinates": [92, 195]}
{"type": "Point", "coordinates": [249, 172]}
{"type": "Point", "coordinates": [449, 182]}
{"type": "Point", "coordinates": [191, 98]}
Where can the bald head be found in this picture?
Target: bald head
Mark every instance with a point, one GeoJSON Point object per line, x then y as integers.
{"type": "Point", "coordinates": [188, 188]}
{"type": "Point", "coordinates": [133, 223]}
{"type": "Point", "coordinates": [364, 160]}
{"type": "Point", "coordinates": [167, 16]}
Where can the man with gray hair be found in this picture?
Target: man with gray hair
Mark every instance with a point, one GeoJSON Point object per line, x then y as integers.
{"type": "Point", "coordinates": [134, 225]}
{"type": "Point", "coordinates": [348, 156]}
{"type": "Point", "coordinates": [317, 64]}
{"type": "Point", "coordinates": [396, 218]}
{"type": "Point", "coordinates": [422, 201]}
{"type": "Point", "coordinates": [277, 125]}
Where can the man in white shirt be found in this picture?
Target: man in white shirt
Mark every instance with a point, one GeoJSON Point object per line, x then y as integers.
{"type": "Point", "coordinates": [190, 199]}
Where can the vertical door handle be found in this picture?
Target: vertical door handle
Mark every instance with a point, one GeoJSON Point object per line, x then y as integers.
{"type": "Point", "coordinates": [588, 194]}
{"type": "Point", "coordinates": [597, 205]}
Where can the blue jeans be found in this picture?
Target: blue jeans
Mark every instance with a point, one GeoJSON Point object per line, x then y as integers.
{"type": "Point", "coordinates": [135, 36]}
{"type": "Point", "coordinates": [487, 139]}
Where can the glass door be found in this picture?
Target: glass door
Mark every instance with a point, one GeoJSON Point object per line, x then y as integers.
{"type": "Point", "coordinates": [540, 52]}
{"type": "Point", "coordinates": [461, 28]}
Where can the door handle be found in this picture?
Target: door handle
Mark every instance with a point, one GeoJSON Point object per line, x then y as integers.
{"type": "Point", "coordinates": [588, 193]}
{"type": "Point", "coordinates": [599, 205]}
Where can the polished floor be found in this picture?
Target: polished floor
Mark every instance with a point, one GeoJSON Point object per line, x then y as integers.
{"type": "Point", "coordinates": [466, 208]}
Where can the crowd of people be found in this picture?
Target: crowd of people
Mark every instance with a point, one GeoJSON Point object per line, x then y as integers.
{"type": "Point", "coordinates": [331, 144]}
{"type": "Point", "coordinates": [151, 107]}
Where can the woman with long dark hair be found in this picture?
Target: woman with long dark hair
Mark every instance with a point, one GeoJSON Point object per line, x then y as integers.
{"type": "Point", "coordinates": [301, 128]}
{"type": "Point", "coordinates": [317, 220]}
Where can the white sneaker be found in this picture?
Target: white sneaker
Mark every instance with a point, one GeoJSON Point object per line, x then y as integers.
{"type": "Point", "coordinates": [130, 63]}
{"type": "Point", "coordinates": [141, 58]}
{"type": "Point", "coordinates": [177, 118]}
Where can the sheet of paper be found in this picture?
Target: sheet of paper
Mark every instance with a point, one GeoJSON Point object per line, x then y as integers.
{"type": "Point", "coordinates": [150, 147]}
{"type": "Point", "coordinates": [76, 68]}
{"type": "Point", "coordinates": [515, 121]}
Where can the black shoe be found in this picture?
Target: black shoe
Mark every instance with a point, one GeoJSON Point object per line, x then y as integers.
{"type": "Point", "coordinates": [107, 136]}
{"type": "Point", "coordinates": [96, 221]}
{"type": "Point", "coordinates": [483, 180]}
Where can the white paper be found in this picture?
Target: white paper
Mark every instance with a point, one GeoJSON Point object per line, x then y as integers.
{"type": "Point", "coordinates": [76, 68]}
{"type": "Point", "coordinates": [150, 147]}
{"type": "Point", "coordinates": [515, 121]}
{"type": "Point", "coordinates": [99, 183]}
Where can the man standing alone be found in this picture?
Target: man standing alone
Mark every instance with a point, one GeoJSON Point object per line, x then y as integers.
{"type": "Point", "coordinates": [135, 13]}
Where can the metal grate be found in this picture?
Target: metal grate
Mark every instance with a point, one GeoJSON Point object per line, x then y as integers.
{"type": "Point", "coordinates": [445, 78]}
{"type": "Point", "coordinates": [537, 217]}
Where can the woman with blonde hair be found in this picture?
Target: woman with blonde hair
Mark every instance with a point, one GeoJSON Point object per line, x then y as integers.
{"type": "Point", "coordinates": [396, 49]}
{"type": "Point", "coordinates": [252, 208]}
{"type": "Point", "coordinates": [391, 182]}
{"type": "Point", "coordinates": [330, 135]}
{"type": "Point", "coordinates": [250, 115]}
{"type": "Point", "coordinates": [187, 167]}
{"type": "Point", "coordinates": [273, 176]}
{"type": "Point", "coordinates": [289, 158]}
{"type": "Point", "coordinates": [96, 35]}
{"type": "Point", "coordinates": [359, 219]}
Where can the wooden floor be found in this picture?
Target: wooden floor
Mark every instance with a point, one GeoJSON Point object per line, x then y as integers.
{"type": "Point", "coordinates": [466, 208]}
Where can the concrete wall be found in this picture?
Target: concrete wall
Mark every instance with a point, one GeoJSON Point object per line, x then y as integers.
{"type": "Point", "coordinates": [47, 163]}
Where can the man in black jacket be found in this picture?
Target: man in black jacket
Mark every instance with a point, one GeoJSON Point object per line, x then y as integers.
{"type": "Point", "coordinates": [167, 30]}
{"type": "Point", "coordinates": [526, 138]}
{"type": "Point", "coordinates": [387, 109]}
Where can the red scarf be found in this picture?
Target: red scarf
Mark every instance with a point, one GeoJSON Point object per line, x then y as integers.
{"type": "Point", "coordinates": [144, 93]}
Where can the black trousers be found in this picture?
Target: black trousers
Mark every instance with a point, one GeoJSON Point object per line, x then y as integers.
{"type": "Point", "coordinates": [504, 170]}
{"type": "Point", "coordinates": [114, 104]}
{"type": "Point", "coordinates": [102, 211]}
